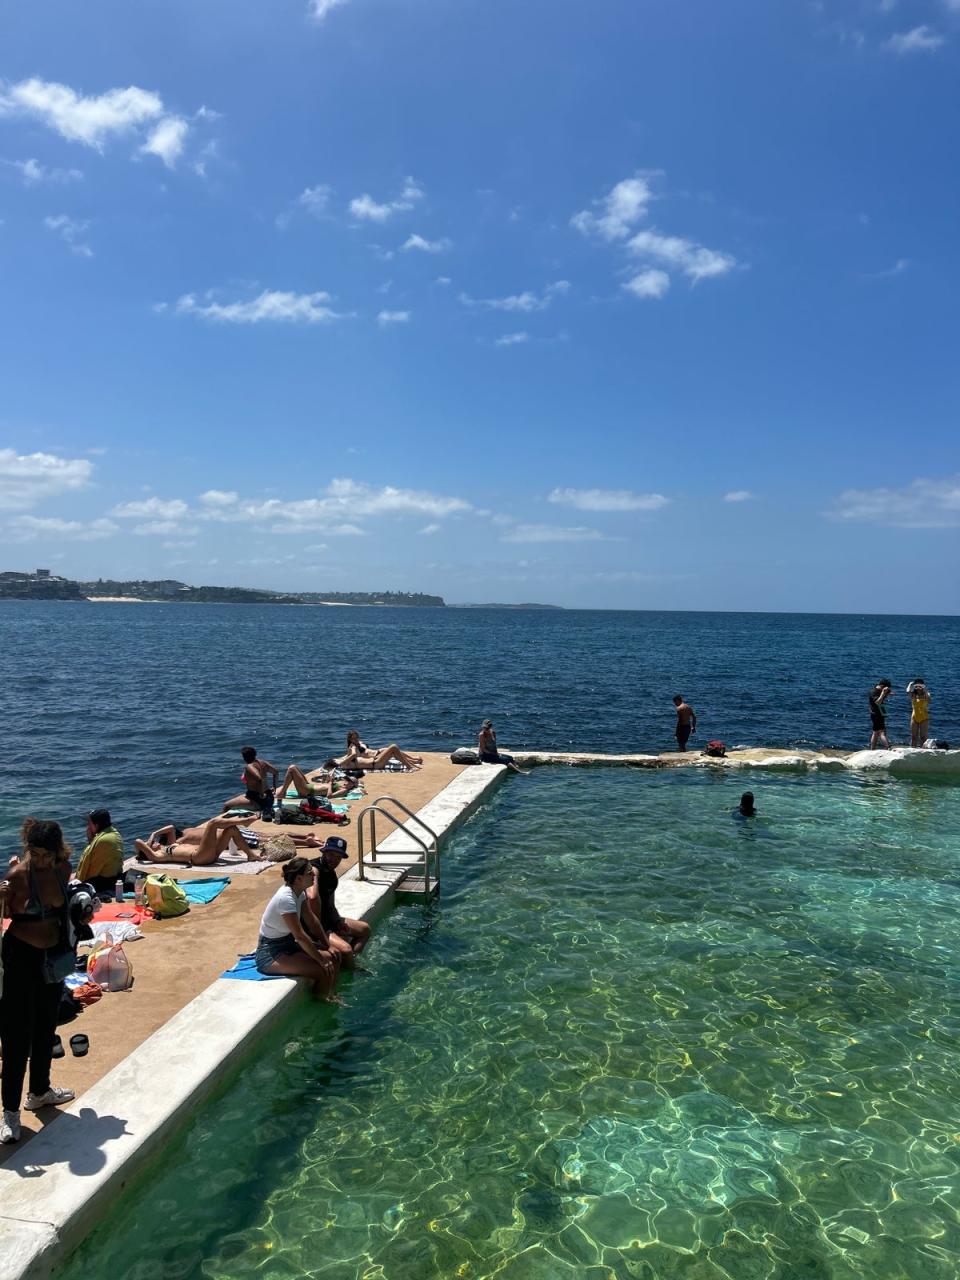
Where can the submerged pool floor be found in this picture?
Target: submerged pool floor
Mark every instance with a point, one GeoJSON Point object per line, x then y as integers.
{"type": "Point", "coordinates": [683, 1046]}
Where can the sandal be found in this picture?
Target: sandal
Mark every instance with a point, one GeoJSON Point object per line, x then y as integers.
{"type": "Point", "coordinates": [79, 1045]}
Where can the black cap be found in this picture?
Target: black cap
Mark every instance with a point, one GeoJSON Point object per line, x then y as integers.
{"type": "Point", "coordinates": [335, 844]}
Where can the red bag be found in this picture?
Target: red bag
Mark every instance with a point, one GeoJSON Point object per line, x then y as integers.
{"type": "Point", "coordinates": [322, 812]}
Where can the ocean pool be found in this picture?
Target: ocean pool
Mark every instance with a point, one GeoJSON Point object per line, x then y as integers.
{"type": "Point", "coordinates": [635, 1038]}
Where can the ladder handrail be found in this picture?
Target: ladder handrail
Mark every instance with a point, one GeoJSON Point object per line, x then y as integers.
{"type": "Point", "coordinates": [375, 808]}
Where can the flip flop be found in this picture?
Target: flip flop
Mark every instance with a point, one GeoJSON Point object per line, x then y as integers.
{"type": "Point", "coordinates": [79, 1045]}
{"type": "Point", "coordinates": [58, 1050]}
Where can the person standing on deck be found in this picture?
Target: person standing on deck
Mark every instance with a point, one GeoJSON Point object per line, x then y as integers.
{"type": "Point", "coordinates": [920, 711]}
{"type": "Point", "coordinates": [686, 721]}
{"type": "Point", "coordinates": [877, 698]}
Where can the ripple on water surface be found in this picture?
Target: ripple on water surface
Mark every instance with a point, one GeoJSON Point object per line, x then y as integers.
{"type": "Point", "coordinates": [680, 1046]}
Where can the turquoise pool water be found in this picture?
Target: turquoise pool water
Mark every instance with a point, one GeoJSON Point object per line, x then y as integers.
{"type": "Point", "coordinates": [678, 1045]}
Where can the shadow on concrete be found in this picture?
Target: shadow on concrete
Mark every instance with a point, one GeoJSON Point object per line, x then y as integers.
{"type": "Point", "coordinates": [77, 1142]}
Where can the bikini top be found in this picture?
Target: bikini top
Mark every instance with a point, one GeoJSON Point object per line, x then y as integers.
{"type": "Point", "coordinates": [36, 909]}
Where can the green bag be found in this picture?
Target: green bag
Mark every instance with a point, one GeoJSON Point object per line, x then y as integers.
{"type": "Point", "coordinates": [164, 896]}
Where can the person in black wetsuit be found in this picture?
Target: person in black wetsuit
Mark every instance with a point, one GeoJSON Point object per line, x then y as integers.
{"type": "Point", "coordinates": [877, 698]}
{"type": "Point", "coordinates": [344, 936]}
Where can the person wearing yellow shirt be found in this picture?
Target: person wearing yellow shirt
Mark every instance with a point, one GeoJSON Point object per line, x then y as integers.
{"type": "Point", "coordinates": [101, 863]}
{"type": "Point", "coordinates": [920, 712]}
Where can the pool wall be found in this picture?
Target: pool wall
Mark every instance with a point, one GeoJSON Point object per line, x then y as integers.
{"type": "Point", "coordinates": [58, 1186]}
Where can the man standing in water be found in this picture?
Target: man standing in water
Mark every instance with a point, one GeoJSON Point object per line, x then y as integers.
{"type": "Point", "coordinates": [686, 721]}
{"type": "Point", "coordinates": [877, 698]}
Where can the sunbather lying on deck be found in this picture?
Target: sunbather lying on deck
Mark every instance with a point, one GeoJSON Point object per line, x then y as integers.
{"type": "Point", "coordinates": [194, 846]}
{"type": "Point", "coordinates": [360, 756]}
{"type": "Point", "coordinates": [317, 785]}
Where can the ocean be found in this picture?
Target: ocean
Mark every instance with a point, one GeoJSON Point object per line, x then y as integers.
{"type": "Point", "coordinates": [143, 708]}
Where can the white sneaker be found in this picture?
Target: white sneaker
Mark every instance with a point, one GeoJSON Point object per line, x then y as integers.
{"type": "Point", "coordinates": [54, 1097]}
{"type": "Point", "coordinates": [10, 1126]}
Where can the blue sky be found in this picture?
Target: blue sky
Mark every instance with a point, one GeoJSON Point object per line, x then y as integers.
{"type": "Point", "coordinates": [630, 304]}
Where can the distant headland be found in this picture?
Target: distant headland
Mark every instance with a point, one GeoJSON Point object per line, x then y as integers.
{"type": "Point", "coordinates": [44, 585]}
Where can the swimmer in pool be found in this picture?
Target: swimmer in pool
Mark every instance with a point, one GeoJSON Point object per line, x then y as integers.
{"type": "Point", "coordinates": [745, 809]}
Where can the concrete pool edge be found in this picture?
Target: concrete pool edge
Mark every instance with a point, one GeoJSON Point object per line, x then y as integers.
{"type": "Point", "coordinates": [55, 1190]}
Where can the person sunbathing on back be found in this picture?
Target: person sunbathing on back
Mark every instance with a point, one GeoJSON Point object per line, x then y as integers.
{"type": "Point", "coordinates": [360, 756]}
{"type": "Point", "coordinates": [194, 846]}
{"type": "Point", "coordinates": [316, 785]}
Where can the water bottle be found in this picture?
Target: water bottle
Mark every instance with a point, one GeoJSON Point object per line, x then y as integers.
{"type": "Point", "coordinates": [118, 890]}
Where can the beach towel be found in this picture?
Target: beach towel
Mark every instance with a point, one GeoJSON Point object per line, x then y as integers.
{"type": "Point", "coordinates": [200, 892]}
{"type": "Point", "coordinates": [245, 970]}
{"type": "Point", "coordinates": [126, 911]}
{"type": "Point", "coordinates": [236, 866]}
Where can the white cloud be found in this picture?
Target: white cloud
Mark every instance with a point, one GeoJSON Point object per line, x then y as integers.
{"type": "Point", "coordinates": [427, 246]}
{"type": "Point", "coordinates": [511, 339]}
{"type": "Point", "coordinates": [318, 9]}
{"type": "Point", "coordinates": [157, 528]}
{"type": "Point", "coordinates": [738, 495]}
{"type": "Point", "coordinates": [152, 509]}
{"type": "Point", "coordinates": [34, 173]}
{"type": "Point", "coordinates": [624, 206]}
{"type": "Point", "coordinates": [608, 500]}
{"type": "Point", "coordinates": [922, 39]}
{"type": "Point", "coordinates": [899, 267]}
{"type": "Point", "coordinates": [923, 504]}
{"type": "Point", "coordinates": [337, 510]}
{"type": "Point", "coordinates": [692, 259]}
{"type": "Point", "coordinates": [365, 209]}
{"type": "Point", "coordinates": [219, 498]}
{"type": "Point", "coordinates": [88, 120]}
{"type": "Point", "coordinates": [70, 230]}
{"type": "Point", "coordinates": [269, 306]}
{"type": "Point", "coordinates": [443, 280]}
{"type": "Point", "coordinates": [167, 140]}
{"type": "Point", "coordinates": [312, 200]}
{"type": "Point", "coordinates": [525, 302]}
{"type": "Point", "coordinates": [429, 529]}
{"type": "Point", "coordinates": [26, 479]}
{"type": "Point", "coordinates": [648, 284]}
{"type": "Point", "coordinates": [387, 318]}
{"type": "Point", "coordinates": [550, 533]}
{"type": "Point", "coordinates": [31, 528]}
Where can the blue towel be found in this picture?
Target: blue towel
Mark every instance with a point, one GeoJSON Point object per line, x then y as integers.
{"type": "Point", "coordinates": [201, 891]}
{"type": "Point", "coordinates": [245, 970]}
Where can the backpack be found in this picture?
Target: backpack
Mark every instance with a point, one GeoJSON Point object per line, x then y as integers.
{"type": "Point", "coordinates": [164, 896]}
{"type": "Point", "coordinates": [464, 755]}
{"type": "Point", "coordinates": [715, 748]}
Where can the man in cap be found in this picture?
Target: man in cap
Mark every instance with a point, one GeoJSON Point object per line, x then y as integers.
{"type": "Point", "coordinates": [346, 937]}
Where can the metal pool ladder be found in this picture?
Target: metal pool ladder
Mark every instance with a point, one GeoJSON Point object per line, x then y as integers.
{"type": "Point", "coordinates": [418, 866]}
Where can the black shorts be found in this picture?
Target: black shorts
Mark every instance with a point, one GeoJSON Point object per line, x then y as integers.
{"type": "Point", "coordinates": [262, 800]}
{"type": "Point", "coordinates": [495, 757]}
{"type": "Point", "coordinates": [683, 734]}
{"type": "Point", "coordinates": [878, 723]}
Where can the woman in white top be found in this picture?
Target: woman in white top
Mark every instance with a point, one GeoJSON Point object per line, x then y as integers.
{"type": "Point", "coordinates": [286, 946]}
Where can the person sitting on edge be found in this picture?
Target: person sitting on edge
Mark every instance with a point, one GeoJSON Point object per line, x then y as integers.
{"type": "Point", "coordinates": [291, 940]}
{"type": "Point", "coordinates": [686, 721]}
{"type": "Point", "coordinates": [36, 947]}
{"type": "Point", "coordinates": [920, 711]}
{"type": "Point", "coordinates": [195, 846]}
{"type": "Point", "coordinates": [745, 809]}
{"type": "Point", "coordinates": [490, 754]}
{"type": "Point", "coordinates": [345, 936]}
{"type": "Point", "coordinates": [876, 698]}
{"type": "Point", "coordinates": [101, 863]}
{"type": "Point", "coordinates": [360, 756]}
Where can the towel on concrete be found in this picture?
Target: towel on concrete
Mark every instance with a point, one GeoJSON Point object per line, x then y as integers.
{"type": "Point", "coordinates": [237, 866]}
{"type": "Point", "coordinates": [245, 970]}
{"type": "Point", "coordinates": [202, 891]}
